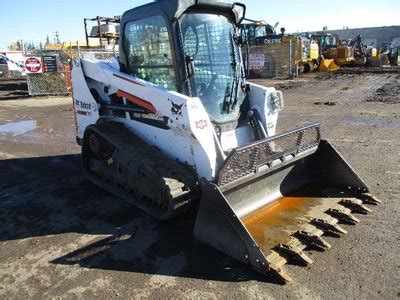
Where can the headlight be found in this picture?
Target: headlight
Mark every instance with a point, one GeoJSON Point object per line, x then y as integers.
{"type": "Point", "coordinates": [276, 101]}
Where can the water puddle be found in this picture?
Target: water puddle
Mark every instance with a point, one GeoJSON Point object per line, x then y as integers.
{"type": "Point", "coordinates": [19, 128]}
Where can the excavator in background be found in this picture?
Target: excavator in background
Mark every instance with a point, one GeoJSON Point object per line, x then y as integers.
{"type": "Point", "coordinates": [335, 52]}
{"type": "Point", "coordinates": [173, 124]}
{"type": "Point", "coordinates": [367, 55]}
{"type": "Point", "coordinates": [363, 54]}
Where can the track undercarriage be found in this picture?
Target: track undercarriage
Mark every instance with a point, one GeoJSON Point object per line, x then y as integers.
{"type": "Point", "coordinates": [118, 160]}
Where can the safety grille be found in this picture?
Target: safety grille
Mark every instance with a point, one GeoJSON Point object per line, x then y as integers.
{"type": "Point", "coordinates": [247, 160]}
{"type": "Point", "coordinates": [208, 41]}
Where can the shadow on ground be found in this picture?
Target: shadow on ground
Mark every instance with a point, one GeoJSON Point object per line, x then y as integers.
{"type": "Point", "coordinates": [48, 196]}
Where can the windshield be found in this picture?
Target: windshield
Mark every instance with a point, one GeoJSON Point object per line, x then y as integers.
{"type": "Point", "coordinates": [260, 31]}
{"type": "Point", "coordinates": [208, 41]}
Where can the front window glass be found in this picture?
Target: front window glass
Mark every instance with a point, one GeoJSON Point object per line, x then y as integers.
{"type": "Point", "coordinates": [260, 31]}
{"type": "Point", "coordinates": [208, 42]}
{"type": "Point", "coordinates": [149, 54]}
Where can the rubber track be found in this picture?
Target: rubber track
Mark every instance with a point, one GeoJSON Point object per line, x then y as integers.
{"type": "Point", "coordinates": [172, 180]}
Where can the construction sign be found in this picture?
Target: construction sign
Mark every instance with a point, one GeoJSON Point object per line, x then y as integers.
{"type": "Point", "coordinates": [33, 65]}
{"type": "Point", "coordinates": [50, 63]}
{"type": "Point", "coordinates": [256, 61]}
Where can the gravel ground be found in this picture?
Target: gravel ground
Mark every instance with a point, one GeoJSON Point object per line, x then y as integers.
{"type": "Point", "coordinates": [61, 236]}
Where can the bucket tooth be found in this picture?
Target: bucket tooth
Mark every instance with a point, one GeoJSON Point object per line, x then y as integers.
{"type": "Point", "coordinates": [328, 226]}
{"type": "Point", "coordinates": [343, 214]}
{"type": "Point", "coordinates": [370, 199]}
{"type": "Point", "coordinates": [279, 273]}
{"type": "Point", "coordinates": [295, 253]}
{"type": "Point", "coordinates": [312, 238]}
{"type": "Point", "coordinates": [356, 206]}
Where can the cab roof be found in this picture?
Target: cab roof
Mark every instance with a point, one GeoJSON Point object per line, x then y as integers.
{"type": "Point", "coordinates": [174, 9]}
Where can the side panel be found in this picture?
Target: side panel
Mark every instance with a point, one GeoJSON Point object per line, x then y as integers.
{"type": "Point", "coordinates": [189, 138]}
{"type": "Point", "coordinates": [268, 102]}
{"type": "Point", "coordinates": [175, 146]}
{"type": "Point", "coordinates": [85, 106]}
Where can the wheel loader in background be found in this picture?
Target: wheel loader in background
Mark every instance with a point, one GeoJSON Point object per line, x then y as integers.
{"type": "Point", "coordinates": [328, 51]}
{"type": "Point", "coordinates": [173, 124]}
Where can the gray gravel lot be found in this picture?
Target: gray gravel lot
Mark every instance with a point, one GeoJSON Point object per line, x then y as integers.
{"type": "Point", "coordinates": [61, 236]}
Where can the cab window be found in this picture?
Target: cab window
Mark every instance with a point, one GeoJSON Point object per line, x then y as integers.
{"type": "Point", "coordinates": [148, 49]}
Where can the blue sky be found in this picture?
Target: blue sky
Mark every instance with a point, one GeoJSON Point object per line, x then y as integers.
{"type": "Point", "coordinates": [33, 20]}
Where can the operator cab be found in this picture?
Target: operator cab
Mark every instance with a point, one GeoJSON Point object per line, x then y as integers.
{"type": "Point", "coordinates": [192, 47]}
{"type": "Point", "coordinates": [253, 32]}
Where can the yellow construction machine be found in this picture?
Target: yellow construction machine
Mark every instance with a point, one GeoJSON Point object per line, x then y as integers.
{"type": "Point", "coordinates": [309, 49]}
{"type": "Point", "coordinates": [356, 53]}
{"type": "Point", "coordinates": [367, 55]}
{"type": "Point", "coordinates": [328, 51]}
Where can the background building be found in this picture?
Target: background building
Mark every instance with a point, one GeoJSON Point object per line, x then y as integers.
{"type": "Point", "coordinates": [375, 35]}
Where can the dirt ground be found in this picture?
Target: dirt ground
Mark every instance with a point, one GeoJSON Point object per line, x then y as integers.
{"type": "Point", "coordinates": [61, 236]}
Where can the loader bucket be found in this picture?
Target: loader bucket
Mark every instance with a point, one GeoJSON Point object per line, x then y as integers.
{"type": "Point", "coordinates": [328, 65]}
{"type": "Point", "coordinates": [276, 197]}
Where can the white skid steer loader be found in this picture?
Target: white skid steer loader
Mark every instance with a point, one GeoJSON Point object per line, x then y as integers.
{"type": "Point", "coordinates": [173, 121]}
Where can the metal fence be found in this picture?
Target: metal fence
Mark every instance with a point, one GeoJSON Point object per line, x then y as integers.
{"type": "Point", "coordinates": [57, 79]}
{"type": "Point", "coordinates": [54, 81]}
{"type": "Point", "coordinates": [278, 59]}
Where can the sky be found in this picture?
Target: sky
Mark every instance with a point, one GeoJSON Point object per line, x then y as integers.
{"type": "Point", "coordinates": [32, 21]}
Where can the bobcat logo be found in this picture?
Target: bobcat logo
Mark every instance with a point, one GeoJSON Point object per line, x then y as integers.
{"type": "Point", "coordinates": [176, 109]}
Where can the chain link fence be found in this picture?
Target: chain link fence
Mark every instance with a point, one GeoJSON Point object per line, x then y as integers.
{"type": "Point", "coordinates": [274, 59]}
{"type": "Point", "coordinates": [55, 78]}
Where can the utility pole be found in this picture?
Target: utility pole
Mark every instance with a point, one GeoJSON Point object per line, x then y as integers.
{"type": "Point", "coordinates": [57, 38]}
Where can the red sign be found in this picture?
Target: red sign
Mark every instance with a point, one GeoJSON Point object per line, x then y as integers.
{"type": "Point", "coordinates": [33, 65]}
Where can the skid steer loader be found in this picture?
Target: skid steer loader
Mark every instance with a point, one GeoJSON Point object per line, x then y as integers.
{"type": "Point", "coordinates": [172, 122]}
